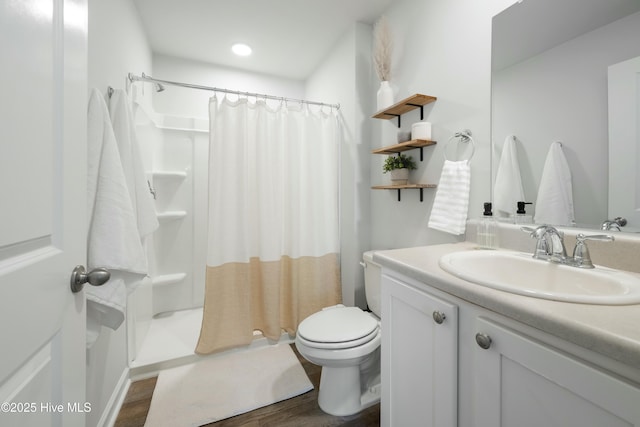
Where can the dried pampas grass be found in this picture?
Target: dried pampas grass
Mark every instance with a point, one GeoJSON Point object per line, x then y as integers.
{"type": "Point", "coordinates": [382, 46]}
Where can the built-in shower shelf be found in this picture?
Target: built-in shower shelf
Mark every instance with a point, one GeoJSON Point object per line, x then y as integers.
{"type": "Point", "coordinates": [169, 174]}
{"type": "Point", "coordinates": [168, 279]}
{"type": "Point", "coordinates": [171, 215]}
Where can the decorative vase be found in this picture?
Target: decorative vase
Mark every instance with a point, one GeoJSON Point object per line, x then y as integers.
{"type": "Point", "coordinates": [400, 176]}
{"type": "Point", "coordinates": [385, 95]}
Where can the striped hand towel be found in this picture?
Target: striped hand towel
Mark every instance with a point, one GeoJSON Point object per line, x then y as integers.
{"type": "Point", "coordinates": [450, 206]}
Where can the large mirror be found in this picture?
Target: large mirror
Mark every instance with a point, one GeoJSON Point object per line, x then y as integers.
{"type": "Point", "coordinates": [550, 66]}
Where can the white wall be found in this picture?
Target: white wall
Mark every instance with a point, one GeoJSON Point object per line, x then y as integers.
{"type": "Point", "coordinates": [117, 45]}
{"type": "Point", "coordinates": [344, 77]}
{"type": "Point", "coordinates": [441, 49]}
{"type": "Point", "coordinates": [561, 94]}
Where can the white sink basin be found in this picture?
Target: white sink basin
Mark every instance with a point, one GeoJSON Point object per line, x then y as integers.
{"type": "Point", "coordinates": [519, 273]}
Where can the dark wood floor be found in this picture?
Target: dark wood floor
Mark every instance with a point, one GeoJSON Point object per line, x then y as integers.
{"type": "Point", "coordinates": [299, 411]}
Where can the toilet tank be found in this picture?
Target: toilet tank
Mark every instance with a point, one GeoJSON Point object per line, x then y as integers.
{"type": "Point", "coordinates": [372, 275]}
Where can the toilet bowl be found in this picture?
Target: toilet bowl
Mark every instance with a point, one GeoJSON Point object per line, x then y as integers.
{"type": "Point", "coordinates": [345, 341]}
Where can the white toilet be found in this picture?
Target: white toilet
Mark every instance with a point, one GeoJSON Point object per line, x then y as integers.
{"type": "Point", "coordinates": [345, 341]}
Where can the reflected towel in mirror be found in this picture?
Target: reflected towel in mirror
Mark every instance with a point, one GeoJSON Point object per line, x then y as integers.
{"type": "Point", "coordinates": [554, 204]}
{"type": "Point", "coordinates": [508, 190]}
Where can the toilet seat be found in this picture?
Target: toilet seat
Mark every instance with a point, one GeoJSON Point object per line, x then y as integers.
{"type": "Point", "coordinates": [338, 328]}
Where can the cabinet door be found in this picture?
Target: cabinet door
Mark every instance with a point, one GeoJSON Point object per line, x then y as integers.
{"type": "Point", "coordinates": [520, 382]}
{"type": "Point", "coordinates": [419, 358]}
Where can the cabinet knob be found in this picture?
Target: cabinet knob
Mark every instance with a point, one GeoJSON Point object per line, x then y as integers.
{"type": "Point", "coordinates": [483, 340]}
{"type": "Point", "coordinates": [439, 317]}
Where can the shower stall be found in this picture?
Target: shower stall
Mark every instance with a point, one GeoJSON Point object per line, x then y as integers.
{"type": "Point", "coordinates": [165, 312]}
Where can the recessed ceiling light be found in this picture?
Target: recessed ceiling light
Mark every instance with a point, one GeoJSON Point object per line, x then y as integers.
{"type": "Point", "coordinates": [241, 49]}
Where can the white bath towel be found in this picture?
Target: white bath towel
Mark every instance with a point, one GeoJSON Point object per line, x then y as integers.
{"type": "Point", "coordinates": [451, 204]}
{"type": "Point", "coordinates": [113, 240]}
{"type": "Point", "coordinates": [134, 172]}
{"type": "Point", "coordinates": [508, 190]}
{"type": "Point", "coordinates": [555, 194]}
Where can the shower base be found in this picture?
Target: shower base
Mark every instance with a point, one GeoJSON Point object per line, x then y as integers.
{"type": "Point", "coordinates": [171, 341]}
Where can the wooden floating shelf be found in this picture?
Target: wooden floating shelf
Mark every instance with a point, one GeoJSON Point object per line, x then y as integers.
{"type": "Point", "coordinates": [404, 106]}
{"type": "Point", "coordinates": [404, 146]}
{"type": "Point", "coordinates": [405, 187]}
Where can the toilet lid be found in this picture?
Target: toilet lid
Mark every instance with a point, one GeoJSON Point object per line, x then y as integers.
{"type": "Point", "coordinates": [336, 325]}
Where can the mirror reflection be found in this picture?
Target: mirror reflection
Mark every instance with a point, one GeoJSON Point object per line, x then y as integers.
{"type": "Point", "coordinates": [550, 83]}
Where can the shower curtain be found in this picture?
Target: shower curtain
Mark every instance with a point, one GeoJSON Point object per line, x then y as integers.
{"type": "Point", "coordinates": [273, 236]}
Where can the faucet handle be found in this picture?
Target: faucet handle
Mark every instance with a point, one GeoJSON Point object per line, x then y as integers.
{"type": "Point", "coordinates": [581, 256]}
{"type": "Point", "coordinates": [607, 237]}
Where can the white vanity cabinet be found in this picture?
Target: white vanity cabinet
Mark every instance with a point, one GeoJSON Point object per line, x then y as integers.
{"type": "Point", "coordinates": [480, 369]}
{"type": "Point", "coordinates": [521, 382]}
{"type": "Point", "coordinates": [419, 357]}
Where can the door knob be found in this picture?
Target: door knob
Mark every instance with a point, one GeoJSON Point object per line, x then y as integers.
{"type": "Point", "coordinates": [96, 277]}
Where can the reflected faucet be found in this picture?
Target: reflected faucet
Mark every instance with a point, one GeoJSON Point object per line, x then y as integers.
{"type": "Point", "coordinates": [614, 224]}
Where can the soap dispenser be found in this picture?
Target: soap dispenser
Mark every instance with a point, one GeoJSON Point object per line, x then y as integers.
{"type": "Point", "coordinates": [487, 237]}
{"type": "Point", "coordinates": [521, 214]}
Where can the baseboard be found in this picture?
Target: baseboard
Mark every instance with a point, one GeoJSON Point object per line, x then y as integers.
{"type": "Point", "coordinates": [108, 418]}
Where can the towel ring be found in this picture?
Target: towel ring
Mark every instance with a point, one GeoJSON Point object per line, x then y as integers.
{"type": "Point", "coordinates": [465, 136]}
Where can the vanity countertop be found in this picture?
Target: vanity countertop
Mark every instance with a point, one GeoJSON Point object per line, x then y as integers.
{"type": "Point", "coordinates": [613, 331]}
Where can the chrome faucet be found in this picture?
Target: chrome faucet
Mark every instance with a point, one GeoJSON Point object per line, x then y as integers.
{"type": "Point", "coordinates": [550, 243]}
{"type": "Point", "coordinates": [550, 246]}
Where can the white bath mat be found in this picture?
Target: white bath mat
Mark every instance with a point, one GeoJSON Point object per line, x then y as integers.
{"type": "Point", "coordinates": [216, 388]}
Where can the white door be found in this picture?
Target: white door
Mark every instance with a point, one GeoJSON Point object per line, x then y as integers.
{"type": "Point", "coordinates": [624, 142]}
{"type": "Point", "coordinates": [43, 99]}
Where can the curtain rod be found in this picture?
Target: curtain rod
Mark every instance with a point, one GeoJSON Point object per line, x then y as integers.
{"type": "Point", "coordinates": [145, 78]}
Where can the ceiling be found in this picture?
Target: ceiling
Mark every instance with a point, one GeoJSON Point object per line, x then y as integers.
{"type": "Point", "coordinates": [289, 37]}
